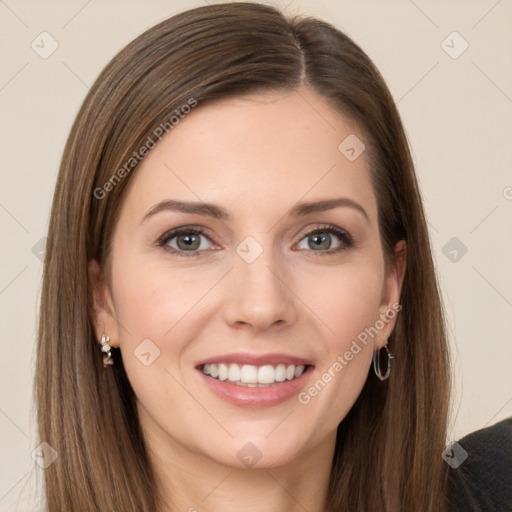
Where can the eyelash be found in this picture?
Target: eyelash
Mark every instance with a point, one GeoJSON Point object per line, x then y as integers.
{"type": "Point", "coordinates": [345, 238]}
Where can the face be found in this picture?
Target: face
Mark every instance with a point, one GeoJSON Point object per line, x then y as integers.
{"type": "Point", "coordinates": [259, 287]}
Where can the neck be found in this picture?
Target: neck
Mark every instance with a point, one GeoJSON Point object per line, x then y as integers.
{"type": "Point", "coordinates": [189, 481]}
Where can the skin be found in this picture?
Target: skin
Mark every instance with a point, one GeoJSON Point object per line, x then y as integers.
{"type": "Point", "coordinates": [257, 157]}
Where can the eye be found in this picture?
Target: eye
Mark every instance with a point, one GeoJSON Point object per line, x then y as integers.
{"type": "Point", "coordinates": [320, 240]}
{"type": "Point", "coordinates": [183, 240]}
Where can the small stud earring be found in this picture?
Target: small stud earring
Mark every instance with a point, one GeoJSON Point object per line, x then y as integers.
{"type": "Point", "coordinates": [106, 348]}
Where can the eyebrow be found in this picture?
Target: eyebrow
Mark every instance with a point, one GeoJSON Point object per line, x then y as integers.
{"type": "Point", "coordinates": [218, 212]}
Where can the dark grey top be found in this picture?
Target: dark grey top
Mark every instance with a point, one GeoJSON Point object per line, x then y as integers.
{"type": "Point", "coordinates": [483, 481]}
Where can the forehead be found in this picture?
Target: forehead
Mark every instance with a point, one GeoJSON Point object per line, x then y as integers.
{"type": "Point", "coordinates": [270, 149]}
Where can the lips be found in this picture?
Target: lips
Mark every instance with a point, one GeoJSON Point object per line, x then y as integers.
{"type": "Point", "coordinates": [255, 395]}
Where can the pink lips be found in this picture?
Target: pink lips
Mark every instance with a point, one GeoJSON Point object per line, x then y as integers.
{"type": "Point", "coordinates": [256, 397]}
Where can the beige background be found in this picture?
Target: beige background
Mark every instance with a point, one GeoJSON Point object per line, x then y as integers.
{"type": "Point", "coordinates": [456, 111]}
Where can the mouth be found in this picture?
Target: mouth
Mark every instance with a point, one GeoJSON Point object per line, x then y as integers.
{"type": "Point", "coordinates": [255, 381]}
{"type": "Point", "coordinates": [252, 376]}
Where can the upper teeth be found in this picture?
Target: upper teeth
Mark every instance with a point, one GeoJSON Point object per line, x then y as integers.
{"type": "Point", "coordinates": [249, 374]}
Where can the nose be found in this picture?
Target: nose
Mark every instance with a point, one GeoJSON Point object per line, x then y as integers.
{"type": "Point", "coordinates": [259, 294]}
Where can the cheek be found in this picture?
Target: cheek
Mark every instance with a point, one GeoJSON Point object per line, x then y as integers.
{"type": "Point", "coordinates": [155, 310]}
{"type": "Point", "coordinates": [348, 303]}
{"type": "Point", "coordinates": [152, 299]}
{"type": "Point", "coordinates": [346, 299]}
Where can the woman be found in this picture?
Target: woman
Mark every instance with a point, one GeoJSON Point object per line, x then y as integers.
{"type": "Point", "coordinates": [239, 306]}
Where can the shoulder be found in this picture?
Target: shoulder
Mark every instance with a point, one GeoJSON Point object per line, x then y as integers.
{"type": "Point", "coordinates": [481, 478]}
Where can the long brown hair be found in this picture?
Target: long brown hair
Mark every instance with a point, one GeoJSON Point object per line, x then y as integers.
{"type": "Point", "coordinates": [388, 450]}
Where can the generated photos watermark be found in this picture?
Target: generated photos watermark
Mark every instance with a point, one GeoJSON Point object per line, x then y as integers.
{"type": "Point", "coordinates": [343, 360]}
{"type": "Point", "coordinates": [137, 156]}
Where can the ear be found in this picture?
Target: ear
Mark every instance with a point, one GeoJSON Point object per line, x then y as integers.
{"type": "Point", "coordinates": [390, 305]}
{"type": "Point", "coordinates": [104, 315]}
